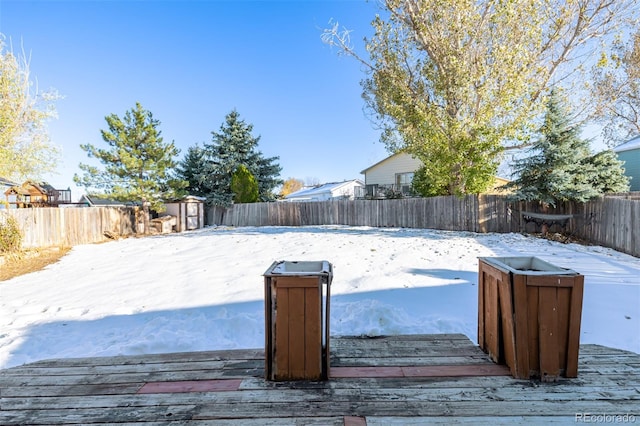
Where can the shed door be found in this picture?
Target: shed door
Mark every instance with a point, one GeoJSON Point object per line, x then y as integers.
{"type": "Point", "coordinates": [193, 216]}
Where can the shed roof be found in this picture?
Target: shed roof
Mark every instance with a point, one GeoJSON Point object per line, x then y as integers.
{"type": "Point", "coordinates": [633, 143]}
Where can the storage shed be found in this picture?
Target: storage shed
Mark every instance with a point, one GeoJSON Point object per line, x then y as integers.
{"type": "Point", "coordinates": [189, 212]}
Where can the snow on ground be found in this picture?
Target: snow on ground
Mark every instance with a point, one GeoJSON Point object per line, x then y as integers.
{"type": "Point", "coordinates": [204, 290]}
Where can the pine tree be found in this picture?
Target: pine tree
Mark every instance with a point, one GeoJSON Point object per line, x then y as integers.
{"type": "Point", "coordinates": [231, 147]}
{"type": "Point", "coordinates": [560, 167]}
{"type": "Point", "coordinates": [138, 164]}
{"type": "Point", "coordinates": [244, 186]}
{"type": "Point", "coordinates": [192, 169]}
{"type": "Point", "coordinates": [608, 176]}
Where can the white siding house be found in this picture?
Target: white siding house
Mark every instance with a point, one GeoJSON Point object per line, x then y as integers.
{"type": "Point", "coordinates": [629, 152]}
{"type": "Point", "coordinates": [328, 191]}
{"type": "Point", "coordinates": [393, 173]}
{"type": "Point", "coordinates": [393, 177]}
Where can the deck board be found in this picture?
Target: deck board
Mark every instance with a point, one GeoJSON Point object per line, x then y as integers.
{"type": "Point", "coordinates": [394, 380]}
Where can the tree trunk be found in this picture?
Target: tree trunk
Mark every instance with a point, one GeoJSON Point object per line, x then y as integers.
{"type": "Point", "coordinates": [544, 228]}
{"type": "Point", "coordinates": [145, 216]}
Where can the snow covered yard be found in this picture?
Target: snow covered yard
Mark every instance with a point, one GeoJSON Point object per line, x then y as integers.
{"type": "Point", "coordinates": [204, 290]}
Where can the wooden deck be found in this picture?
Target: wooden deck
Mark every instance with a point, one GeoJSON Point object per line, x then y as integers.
{"type": "Point", "coordinates": [400, 380]}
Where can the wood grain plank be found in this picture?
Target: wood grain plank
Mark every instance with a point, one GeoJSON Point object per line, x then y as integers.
{"type": "Point", "coordinates": [146, 359]}
{"type": "Point", "coordinates": [548, 329]}
{"type": "Point", "coordinates": [312, 332]}
{"type": "Point", "coordinates": [628, 397]}
{"type": "Point", "coordinates": [296, 325]}
{"type": "Point", "coordinates": [521, 327]}
{"type": "Point", "coordinates": [492, 324]}
{"type": "Point", "coordinates": [421, 408]}
{"type": "Point", "coordinates": [281, 333]}
{"type": "Point", "coordinates": [563, 302]}
{"type": "Point", "coordinates": [575, 317]}
{"type": "Point", "coordinates": [507, 337]}
{"type": "Point", "coordinates": [532, 343]}
{"type": "Point", "coordinates": [481, 306]}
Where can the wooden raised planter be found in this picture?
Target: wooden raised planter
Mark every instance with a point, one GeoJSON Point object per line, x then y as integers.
{"type": "Point", "coordinates": [297, 320]}
{"type": "Point", "coordinates": [529, 314]}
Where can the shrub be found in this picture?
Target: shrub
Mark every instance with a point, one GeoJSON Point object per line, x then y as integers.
{"type": "Point", "coordinates": [392, 194]}
{"type": "Point", "coordinates": [244, 186]}
{"type": "Point", "coordinates": [10, 235]}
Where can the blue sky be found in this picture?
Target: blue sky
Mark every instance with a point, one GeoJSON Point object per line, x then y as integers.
{"type": "Point", "coordinates": [190, 63]}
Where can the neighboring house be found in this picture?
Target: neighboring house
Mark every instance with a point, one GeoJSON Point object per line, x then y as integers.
{"type": "Point", "coordinates": [497, 189]}
{"type": "Point", "coordinates": [629, 152]}
{"type": "Point", "coordinates": [95, 201]}
{"type": "Point", "coordinates": [328, 191]}
{"type": "Point", "coordinates": [36, 194]}
{"type": "Point", "coordinates": [5, 184]}
{"type": "Point", "coordinates": [393, 176]}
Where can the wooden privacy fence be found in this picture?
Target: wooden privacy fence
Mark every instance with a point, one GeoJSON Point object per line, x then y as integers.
{"type": "Point", "coordinates": [47, 227]}
{"type": "Point", "coordinates": [610, 221]}
{"type": "Point", "coordinates": [469, 213]}
{"type": "Point", "coordinates": [451, 213]}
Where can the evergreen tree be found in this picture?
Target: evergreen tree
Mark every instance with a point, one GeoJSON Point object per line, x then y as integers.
{"type": "Point", "coordinates": [192, 169]}
{"type": "Point", "coordinates": [231, 147]}
{"type": "Point", "coordinates": [138, 164]}
{"type": "Point", "coordinates": [560, 167]}
{"type": "Point", "coordinates": [244, 186]}
{"type": "Point", "coordinates": [268, 176]}
{"type": "Point", "coordinates": [608, 173]}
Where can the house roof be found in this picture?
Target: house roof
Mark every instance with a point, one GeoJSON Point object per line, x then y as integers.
{"type": "Point", "coordinates": [633, 143]}
{"type": "Point", "coordinates": [41, 187]}
{"type": "Point", "coordinates": [321, 189]}
{"type": "Point", "coordinates": [382, 161]}
{"type": "Point", "coordinates": [100, 201]}
{"type": "Point", "coordinates": [19, 190]}
{"type": "Point", "coordinates": [7, 182]}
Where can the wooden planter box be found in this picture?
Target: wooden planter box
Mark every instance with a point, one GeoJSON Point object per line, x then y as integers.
{"type": "Point", "coordinates": [297, 320]}
{"type": "Point", "coordinates": [529, 314]}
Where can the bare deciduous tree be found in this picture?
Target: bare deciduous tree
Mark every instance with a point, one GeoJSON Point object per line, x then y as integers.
{"type": "Point", "coordinates": [457, 83]}
{"type": "Point", "coordinates": [25, 148]}
{"type": "Point", "coordinates": [616, 92]}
